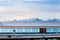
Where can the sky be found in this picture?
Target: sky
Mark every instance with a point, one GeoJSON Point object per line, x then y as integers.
{"type": "Point", "coordinates": [24, 9]}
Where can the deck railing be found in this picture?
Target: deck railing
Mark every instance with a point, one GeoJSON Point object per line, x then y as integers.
{"type": "Point", "coordinates": [28, 34]}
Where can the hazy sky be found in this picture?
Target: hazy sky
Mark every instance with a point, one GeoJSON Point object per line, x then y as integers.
{"type": "Point", "coordinates": [22, 9]}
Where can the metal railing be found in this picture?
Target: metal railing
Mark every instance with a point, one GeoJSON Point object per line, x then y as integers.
{"type": "Point", "coordinates": [28, 34]}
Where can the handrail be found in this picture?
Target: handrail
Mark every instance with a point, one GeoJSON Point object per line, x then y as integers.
{"type": "Point", "coordinates": [30, 26]}
{"type": "Point", "coordinates": [29, 33]}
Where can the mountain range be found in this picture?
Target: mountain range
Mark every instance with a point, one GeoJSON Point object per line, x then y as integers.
{"type": "Point", "coordinates": [31, 22]}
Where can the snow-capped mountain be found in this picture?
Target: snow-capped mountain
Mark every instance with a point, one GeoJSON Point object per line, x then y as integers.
{"type": "Point", "coordinates": [32, 22]}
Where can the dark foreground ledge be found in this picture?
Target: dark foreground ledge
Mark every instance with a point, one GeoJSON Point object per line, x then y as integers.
{"type": "Point", "coordinates": [28, 35]}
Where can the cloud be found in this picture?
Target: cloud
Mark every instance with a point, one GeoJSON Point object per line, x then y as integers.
{"type": "Point", "coordinates": [42, 0]}
{"type": "Point", "coordinates": [21, 10]}
{"type": "Point", "coordinates": [4, 0]}
{"type": "Point", "coordinates": [32, 0]}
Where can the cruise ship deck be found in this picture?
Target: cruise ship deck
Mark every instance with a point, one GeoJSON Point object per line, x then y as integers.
{"type": "Point", "coordinates": [30, 32]}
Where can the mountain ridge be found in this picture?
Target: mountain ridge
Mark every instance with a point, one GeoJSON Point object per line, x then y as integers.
{"type": "Point", "coordinates": [36, 19]}
{"type": "Point", "coordinates": [32, 22]}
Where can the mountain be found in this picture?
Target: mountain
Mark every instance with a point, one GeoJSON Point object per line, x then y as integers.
{"type": "Point", "coordinates": [32, 22]}
{"type": "Point", "coordinates": [53, 20]}
{"type": "Point", "coordinates": [1, 24]}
